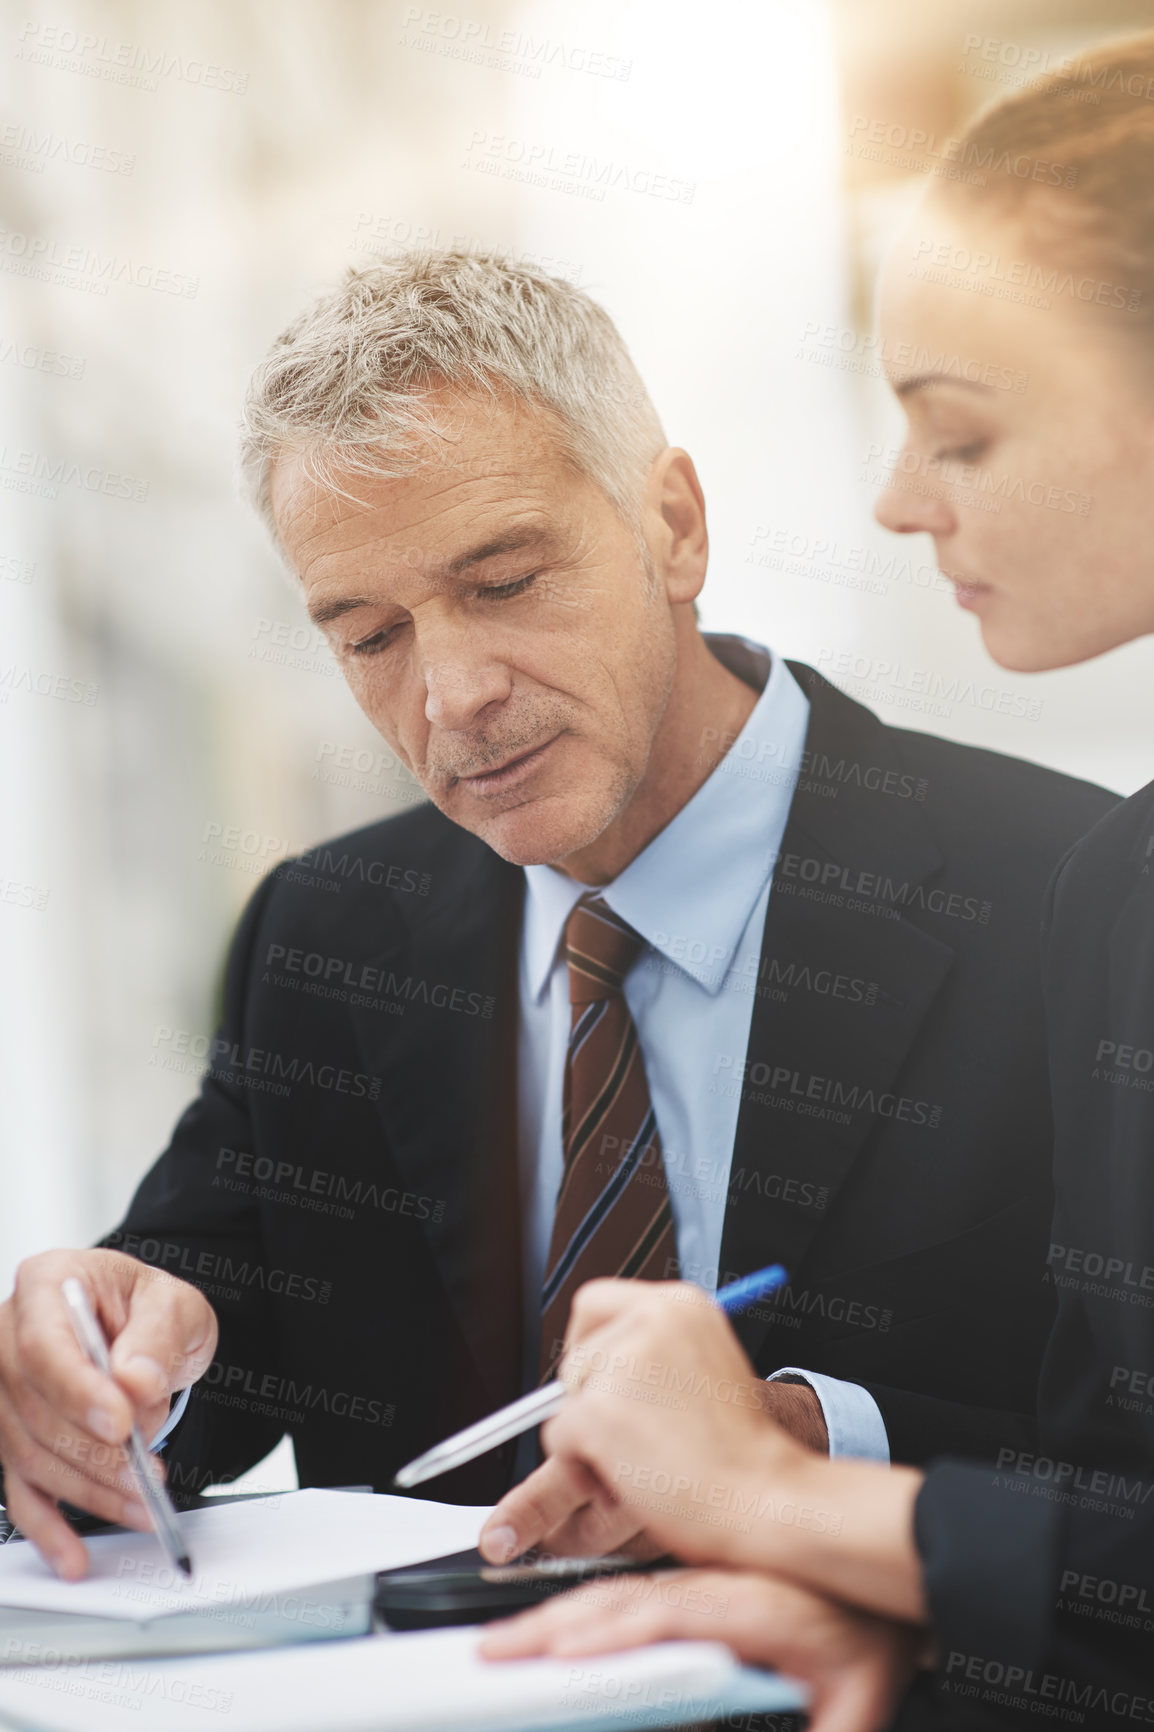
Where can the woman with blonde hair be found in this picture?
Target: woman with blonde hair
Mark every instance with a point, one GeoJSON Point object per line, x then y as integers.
{"type": "Point", "coordinates": [1036, 1580]}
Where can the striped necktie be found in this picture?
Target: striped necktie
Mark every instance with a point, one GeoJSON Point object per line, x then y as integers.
{"type": "Point", "coordinates": [613, 1213]}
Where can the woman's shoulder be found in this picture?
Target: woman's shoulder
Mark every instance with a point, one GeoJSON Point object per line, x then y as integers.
{"type": "Point", "coordinates": [1112, 862]}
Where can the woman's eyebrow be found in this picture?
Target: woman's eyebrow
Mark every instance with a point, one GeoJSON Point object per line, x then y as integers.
{"type": "Point", "coordinates": [926, 381]}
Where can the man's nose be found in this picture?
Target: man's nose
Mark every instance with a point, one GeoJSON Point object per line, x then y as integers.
{"type": "Point", "coordinates": [458, 689]}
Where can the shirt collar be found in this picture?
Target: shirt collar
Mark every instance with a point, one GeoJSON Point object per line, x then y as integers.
{"type": "Point", "coordinates": [690, 893]}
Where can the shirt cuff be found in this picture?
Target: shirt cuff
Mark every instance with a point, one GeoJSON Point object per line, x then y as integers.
{"type": "Point", "coordinates": [852, 1417]}
{"type": "Point", "coordinates": [175, 1415]}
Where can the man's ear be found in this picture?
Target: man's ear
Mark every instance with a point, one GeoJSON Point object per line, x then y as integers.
{"type": "Point", "coordinates": [675, 524]}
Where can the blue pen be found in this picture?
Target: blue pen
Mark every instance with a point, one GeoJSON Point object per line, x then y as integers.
{"type": "Point", "coordinates": [542, 1404]}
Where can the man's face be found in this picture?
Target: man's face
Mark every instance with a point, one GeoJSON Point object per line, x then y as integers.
{"type": "Point", "coordinates": [498, 625]}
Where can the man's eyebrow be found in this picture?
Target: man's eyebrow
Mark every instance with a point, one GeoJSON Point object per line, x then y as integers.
{"type": "Point", "coordinates": [921, 381]}
{"type": "Point", "coordinates": [513, 541]}
{"type": "Point", "coordinates": [324, 612]}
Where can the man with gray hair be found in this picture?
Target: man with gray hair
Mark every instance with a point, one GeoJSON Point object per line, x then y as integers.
{"type": "Point", "coordinates": [688, 965]}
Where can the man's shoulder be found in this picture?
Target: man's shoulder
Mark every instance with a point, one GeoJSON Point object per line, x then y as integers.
{"type": "Point", "coordinates": [371, 885]}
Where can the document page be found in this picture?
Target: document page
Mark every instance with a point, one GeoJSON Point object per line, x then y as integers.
{"type": "Point", "coordinates": [432, 1681]}
{"type": "Point", "coordinates": [245, 1553]}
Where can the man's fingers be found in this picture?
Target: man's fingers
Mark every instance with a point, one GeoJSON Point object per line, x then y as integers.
{"type": "Point", "coordinates": [529, 1513]}
{"type": "Point", "coordinates": [53, 1366]}
{"type": "Point", "coordinates": [108, 1491]}
{"type": "Point", "coordinates": [41, 1522]}
{"type": "Point", "coordinates": [168, 1340]}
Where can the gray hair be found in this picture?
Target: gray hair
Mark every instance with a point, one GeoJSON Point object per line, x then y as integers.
{"type": "Point", "coordinates": [345, 386]}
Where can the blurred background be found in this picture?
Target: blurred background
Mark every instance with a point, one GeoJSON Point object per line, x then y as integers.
{"type": "Point", "coordinates": [175, 180]}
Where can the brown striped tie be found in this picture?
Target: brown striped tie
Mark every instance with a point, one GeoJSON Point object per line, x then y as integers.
{"type": "Point", "coordinates": [613, 1212]}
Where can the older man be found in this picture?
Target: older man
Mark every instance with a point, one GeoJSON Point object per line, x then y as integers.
{"type": "Point", "coordinates": [689, 965]}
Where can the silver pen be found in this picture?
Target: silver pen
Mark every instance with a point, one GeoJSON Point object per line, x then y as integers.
{"type": "Point", "coordinates": [532, 1409]}
{"type": "Point", "coordinates": [542, 1404]}
{"type": "Point", "coordinates": [152, 1493]}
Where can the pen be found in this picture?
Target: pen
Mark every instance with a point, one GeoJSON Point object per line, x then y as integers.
{"type": "Point", "coordinates": [541, 1404]}
{"type": "Point", "coordinates": [152, 1493]}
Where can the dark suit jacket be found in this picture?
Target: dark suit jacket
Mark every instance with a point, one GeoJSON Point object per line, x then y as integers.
{"type": "Point", "coordinates": [345, 1188]}
{"type": "Point", "coordinates": [1048, 1567]}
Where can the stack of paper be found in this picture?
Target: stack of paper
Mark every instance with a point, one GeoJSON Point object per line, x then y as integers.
{"type": "Point", "coordinates": [433, 1681]}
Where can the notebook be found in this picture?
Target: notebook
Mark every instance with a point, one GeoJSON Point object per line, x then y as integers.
{"type": "Point", "coordinates": [292, 1568]}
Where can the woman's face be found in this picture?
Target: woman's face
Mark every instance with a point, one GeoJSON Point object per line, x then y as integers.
{"type": "Point", "coordinates": [1030, 449]}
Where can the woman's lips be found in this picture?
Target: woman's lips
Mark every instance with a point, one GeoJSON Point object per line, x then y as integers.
{"type": "Point", "coordinates": [508, 775]}
{"type": "Point", "coordinates": [970, 594]}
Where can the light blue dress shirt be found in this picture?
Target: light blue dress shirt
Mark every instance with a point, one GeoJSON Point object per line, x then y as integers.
{"type": "Point", "coordinates": [698, 895]}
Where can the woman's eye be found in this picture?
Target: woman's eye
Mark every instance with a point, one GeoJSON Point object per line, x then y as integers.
{"type": "Point", "coordinates": [962, 453]}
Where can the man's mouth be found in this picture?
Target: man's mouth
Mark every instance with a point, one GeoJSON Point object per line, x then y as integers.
{"type": "Point", "coordinates": [484, 783]}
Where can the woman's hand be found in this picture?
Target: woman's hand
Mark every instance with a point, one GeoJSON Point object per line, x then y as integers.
{"type": "Point", "coordinates": [856, 1666]}
{"type": "Point", "coordinates": [667, 1428]}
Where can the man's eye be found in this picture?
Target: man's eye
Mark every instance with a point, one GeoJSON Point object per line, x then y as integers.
{"type": "Point", "coordinates": [372, 646]}
{"type": "Point", "coordinates": [504, 591]}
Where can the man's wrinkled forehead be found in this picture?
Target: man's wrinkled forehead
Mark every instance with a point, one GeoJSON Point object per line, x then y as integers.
{"type": "Point", "coordinates": [417, 518]}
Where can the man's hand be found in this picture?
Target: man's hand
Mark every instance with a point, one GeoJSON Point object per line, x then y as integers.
{"type": "Point", "coordinates": [63, 1424]}
{"type": "Point", "coordinates": [857, 1666]}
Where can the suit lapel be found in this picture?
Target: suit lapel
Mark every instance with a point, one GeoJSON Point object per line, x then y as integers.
{"type": "Point", "coordinates": [448, 1091]}
{"type": "Point", "coordinates": [823, 1058]}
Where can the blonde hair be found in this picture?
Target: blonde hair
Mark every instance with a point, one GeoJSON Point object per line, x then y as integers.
{"type": "Point", "coordinates": [1092, 120]}
{"type": "Point", "coordinates": [347, 385]}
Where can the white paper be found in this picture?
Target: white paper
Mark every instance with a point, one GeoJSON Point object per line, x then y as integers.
{"type": "Point", "coordinates": [258, 1553]}
{"type": "Point", "coordinates": [433, 1681]}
